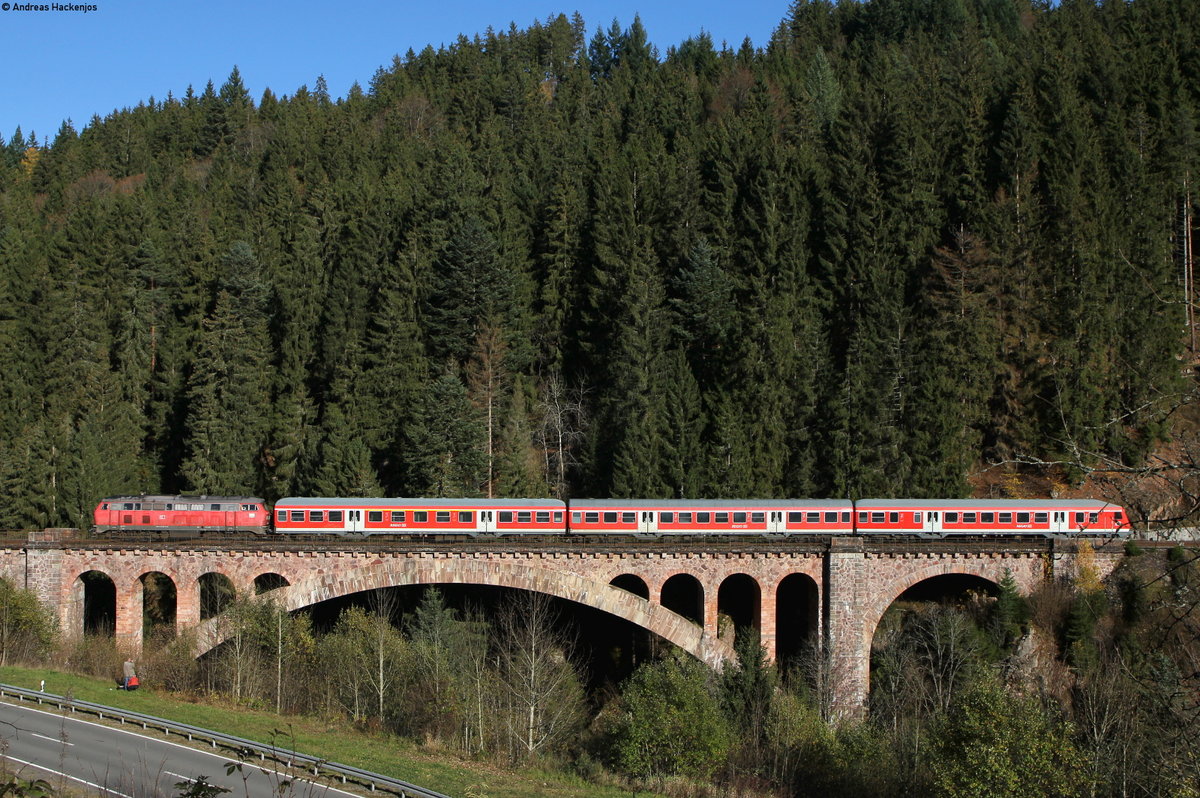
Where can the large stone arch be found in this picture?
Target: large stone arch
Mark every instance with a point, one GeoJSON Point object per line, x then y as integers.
{"type": "Point", "coordinates": [520, 575]}
{"type": "Point", "coordinates": [1027, 572]}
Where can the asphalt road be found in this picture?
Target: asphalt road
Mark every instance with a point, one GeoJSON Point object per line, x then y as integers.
{"type": "Point", "coordinates": [89, 758]}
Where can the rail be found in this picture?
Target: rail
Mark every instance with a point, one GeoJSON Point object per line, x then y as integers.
{"type": "Point", "coordinates": [374, 782]}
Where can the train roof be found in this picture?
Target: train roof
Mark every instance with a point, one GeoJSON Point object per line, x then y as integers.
{"type": "Point", "coordinates": [183, 497]}
{"type": "Point", "coordinates": [951, 504]}
{"type": "Point", "coordinates": [726, 503]}
{"type": "Point", "coordinates": [307, 501]}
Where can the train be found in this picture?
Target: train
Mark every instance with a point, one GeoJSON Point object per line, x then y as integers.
{"type": "Point", "coordinates": [314, 516]}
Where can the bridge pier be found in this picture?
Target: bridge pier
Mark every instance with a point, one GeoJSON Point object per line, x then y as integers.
{"type": "Point", "coordinates": [847, 643]}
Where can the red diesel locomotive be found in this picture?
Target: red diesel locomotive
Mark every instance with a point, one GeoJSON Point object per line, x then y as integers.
{"type": "Point", "coordinates": [188, 514]}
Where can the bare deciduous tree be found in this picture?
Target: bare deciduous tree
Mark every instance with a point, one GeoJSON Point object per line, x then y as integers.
{"type": "Point", "coordinates": [543, 692]}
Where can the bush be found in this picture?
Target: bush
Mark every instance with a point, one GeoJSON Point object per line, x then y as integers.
{"type": "Point", "coordinates": [670, 722]}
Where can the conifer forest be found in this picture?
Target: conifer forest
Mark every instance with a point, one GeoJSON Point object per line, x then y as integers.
{"type": "Point", "coordinates": [900, 239]}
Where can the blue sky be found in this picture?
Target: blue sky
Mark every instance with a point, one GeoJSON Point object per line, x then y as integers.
{"type": "Point", "coordinates": [67, 64]}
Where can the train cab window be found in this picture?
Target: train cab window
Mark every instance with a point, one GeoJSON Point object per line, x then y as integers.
{"type": "Point", "coordinates": [1093, 518]}
{"type": "Point", "coordinates": [542, 516]}
{"type": "Point", "coordinates": [950, 518]}
{"type": "Point", "coordinates": [281, 515]}
{"type": "Point", "coordinates": [375, 516]}
{"type": "Point", "coordinates": [442, 516]}
{"type": "Point", "coordinates": [248, 507]}
{"type": "Point", "coordinates": [1040, 518]}
{"type": "Point", "coordinates": [739, 518]}
{"type": "Point", "coordinates": [722, 518]}
{"type": "Point", "coordinates": [628, 518]}
{"type": "Point", "coordinates": [758, 518]}
{"type": "Point", "coordinates": [297, 515]}
{"type": "Point", "coordinates": [703, 518]}
{"type": "Point", "coordinates": [969, 518]}
{"type": "Point", "coordinates": [1119, 517]}
{"type": "Point", "coordinates": [524, 516]}
{"type": "Point", "coordinates": [1022, 518]}
{"type": "Point", "coordinates": [812, 518]}
{"type": "Point", "coordinates": [795, 518]}
{"type": "Point", "coordinates": [877, 518]}
{"type": "Point", "coordinates": [506, 516]}
{"type": "Point", "coordinates": [336, 515]}
{"type": "Point", "coordinates": [103, 505]}
{"type": "Point", "coordinates": [666, 518]}
{"type": "Point", "coordinates": [685, 518]}
{"type": "Point", "coordinates": [397, 516]}
{"type": "Point", "coordinates": [466, 516]}
{"type": "Point", "coordinates": [1006, 518]}
{"type": "Point", "coordinates": [592, 517]}
{"type": "Point", "coordinates": [420, 516]}
{"type": "Point", "coordinates": [610, 517]}
{"type": "Point", "coordinates": [558, 517]}
{"type": "Point", "coordinates": [316, 516]}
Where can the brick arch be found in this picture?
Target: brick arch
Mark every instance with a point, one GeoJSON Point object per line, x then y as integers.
{"type": "Point", "coordinates": [520, 575]}
{"type": "Point", "coordinates": [1026, 571]}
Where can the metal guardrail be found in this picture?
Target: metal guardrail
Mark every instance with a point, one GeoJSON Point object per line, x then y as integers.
{"type": "Point", "coordinates": [374, 782]}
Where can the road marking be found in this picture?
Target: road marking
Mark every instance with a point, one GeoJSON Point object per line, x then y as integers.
{"type": "Point", "coordinates": [225, 760]}
{"type": "Point", "coordinates": [55, 740]}
{"type": "Point", "coordinates": [103, 790]}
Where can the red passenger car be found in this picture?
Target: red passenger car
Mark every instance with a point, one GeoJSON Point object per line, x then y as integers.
{"type": "Point", "coordinates": [947, 517]}
{"type": "Point", "coordinates": [307, 516]}
{"type": "Point", "coordinates": [181, 514]}
{"type": "Point", "coordinates": [711, 517]}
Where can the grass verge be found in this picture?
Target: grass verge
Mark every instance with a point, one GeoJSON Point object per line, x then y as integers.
{"type": "Point", "coordinates": [386, 754]}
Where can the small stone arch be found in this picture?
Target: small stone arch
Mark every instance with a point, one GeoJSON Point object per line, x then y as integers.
{"type": "Point", "coordinates": [159, 601]}
{"type": "Point", "coordinates": [797, 616]}
{"type": "Point", "coordinates": [93, 605]}
{"type": "Point", "coordinates": [683, 594]}
{"type": "Point", "coordinates": [660, 620]}
{"type": "Point", "coordinates": [265, 583]}
{"type": "Point", "coordinates": [216, 593]}
{"type": "Point", "coordinates": [633, 583]}
{"type": "Point", "coordinates": [739, 598]}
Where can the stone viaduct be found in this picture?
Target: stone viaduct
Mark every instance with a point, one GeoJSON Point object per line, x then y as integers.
{"type": "Point", "coordinates": [832, 591]}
